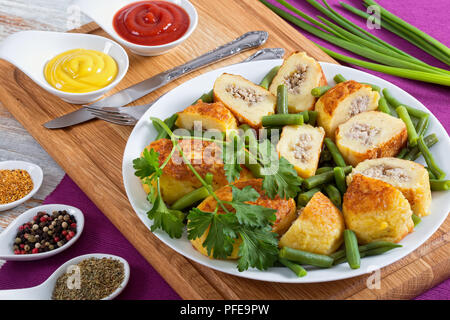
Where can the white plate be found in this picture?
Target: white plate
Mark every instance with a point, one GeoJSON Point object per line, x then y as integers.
{"type": "Point", "coordinates": [36, 175]}
{"type": "Point", "coordinates": [9, 234]}
{"type": "Point", "coordinates": [180, 97]}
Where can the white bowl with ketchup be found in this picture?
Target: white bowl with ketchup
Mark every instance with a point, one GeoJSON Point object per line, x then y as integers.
{"type": "Point", "coordinates": [147, 28]}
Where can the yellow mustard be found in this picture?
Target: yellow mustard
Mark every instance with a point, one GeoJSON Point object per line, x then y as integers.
{"type": "Point", "coordinates": [81, 70]}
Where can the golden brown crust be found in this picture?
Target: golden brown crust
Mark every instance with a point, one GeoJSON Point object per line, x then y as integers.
{"type": "Point", "coordinates": [322, 210]}
{"type": "Point", "coordinates": [339, 92]}
{"type": "Point", "coordinates": [389, 148]}
{"type": "Point", "coordinates": [285, 208]}
{"type": "Point", "coordinates": [216, 110]}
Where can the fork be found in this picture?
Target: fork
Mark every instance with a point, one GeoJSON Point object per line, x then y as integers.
{"type": "Point", "coordinates": [129, 116]}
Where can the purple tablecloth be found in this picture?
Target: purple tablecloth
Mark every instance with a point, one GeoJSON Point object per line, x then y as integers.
{"type": "Point", "coordinates": [145, 283]}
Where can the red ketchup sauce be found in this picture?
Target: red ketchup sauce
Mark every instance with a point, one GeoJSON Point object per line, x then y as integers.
{"type": "Point", "coordinates": [151, 23]}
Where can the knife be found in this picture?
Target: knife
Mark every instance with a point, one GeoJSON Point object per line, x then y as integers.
{"type": "Point", "coordinates": [245, 42]}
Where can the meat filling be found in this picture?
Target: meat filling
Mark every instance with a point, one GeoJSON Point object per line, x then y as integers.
{"type": "Point", "coordinates": [302, 147]}
{"type": "Point", "coordinates": [384, 171]}
{"type": "Point", "coordinates": [359, 105]}
{"type": "Point", "coordinates": [248, 95]}
{"type": "Point", "coordinates": [294, 80]}
{"type": "Point", "coordinates": [363, 133]}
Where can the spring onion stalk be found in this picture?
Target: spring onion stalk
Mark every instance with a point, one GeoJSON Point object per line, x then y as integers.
{"type": "Point", "coordinates": [308, 18]}
{"type": "Point", "coordinates": [399, 72]}
{"type": "Point", "coordinates": [384, 13]}
{"type": "Point", "coordinates": [388, 26]}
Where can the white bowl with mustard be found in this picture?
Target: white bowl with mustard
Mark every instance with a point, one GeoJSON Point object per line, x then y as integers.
{"type": "Point", "coordinates": [78, 68]}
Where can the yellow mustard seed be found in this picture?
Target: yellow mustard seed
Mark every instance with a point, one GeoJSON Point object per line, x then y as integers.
{"type": "Point", "coordinates": [14, 185]}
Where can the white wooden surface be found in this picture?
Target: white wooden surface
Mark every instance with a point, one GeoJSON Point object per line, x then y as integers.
{"type": "Point", "coordinates": [15, 142]}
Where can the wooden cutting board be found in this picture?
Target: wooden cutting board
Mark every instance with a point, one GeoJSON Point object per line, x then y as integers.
{"type": "Point", "coordinates": [91, 154]}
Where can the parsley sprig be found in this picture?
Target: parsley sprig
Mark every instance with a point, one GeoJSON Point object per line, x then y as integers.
{"type": "Point", "coordinates": [239, 219]}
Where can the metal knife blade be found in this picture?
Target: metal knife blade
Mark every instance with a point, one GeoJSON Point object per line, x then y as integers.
{"type": "Point", "coordinates": [245, 42]}
{"type": "Point", "coordinates": [70, 119]}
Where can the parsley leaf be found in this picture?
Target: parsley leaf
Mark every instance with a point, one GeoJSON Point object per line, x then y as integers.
{"type": "Point", "coordinates": [171, 221]}
{"type": "Point", "coordinates": [259, 248]}
{"type": "Point", "coordinates": [198, 223]}
{"type": "Point", "coordinates": [280, 176]}
{"type": "Point", "coordinates": [147, 164]}
{"type": "Point", "coordinates": [250, 214]}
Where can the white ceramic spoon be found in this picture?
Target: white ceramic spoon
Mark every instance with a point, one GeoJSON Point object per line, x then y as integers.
{"type": "Point", "coordinates": [31, 50]}
{"type": "Point", "coordinates": [44, 291]}
{"type": "Point", "coordinates": [8, 235]}
{"type": "Point", "coordinates": [36, 175]}
{"type": "Point", "coordinates": [103, 12]}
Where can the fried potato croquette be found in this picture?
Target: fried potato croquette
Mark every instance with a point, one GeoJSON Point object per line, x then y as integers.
{"type": "Point", "coordinates": [285, 214]}
{"type": "Point", "coordinates": [248, 101]}
{"type": "Point", "coordinates": [211, 115]}
{"type": "Point", "coordinates": [411, 178]}
{"type": "Point", "coordinates": [300, 73]}
{"type": "Point", "coordinates": [370, 135]}
{"type": "Point", "coordinates": [177, 179]}
{"type": "Point", "coordinates": [342, 102]}
{"type": "Point", "coordinates": [319, 228]}
{"type": "Point", "coordinates": [301, 146]}
{"type": "Point", "coordinates": [375, 210]}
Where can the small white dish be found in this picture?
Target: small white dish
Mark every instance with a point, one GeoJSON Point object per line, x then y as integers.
{"type": "Point", "coordinates": [31, 50]}
{"type": "Point", "coordinates": [44, 291]}
{"type": "Point", "coordinates": [103, 12]}
{"type": "Point", "coordinates": [36, 175]}
{"type": "Point", "coordinates": [8, 235]}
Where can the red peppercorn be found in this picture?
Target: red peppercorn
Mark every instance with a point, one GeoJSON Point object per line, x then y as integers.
{"type": "Point", "coordinates": [68, 237]}
{"type": "Point", "coordinates": [73, 225]}
{"type": "Point", "coordinates": [21, 228]}
{"type": "Point", "coordinates": [71, 233]}
{"type": "Point", "coordinates": [16, 251]}
{"type": "Point", "coordinates": [35, 250]}
{"type": "Point", "coordinates": [43, 219]}
{"type": "Point", "coordinates": [22, 251]}
{"type": "Point", "coordinates": [35, 218]}
{"type": "Point", "coordinates": [56, 239]}
{"type": "Point", "coordinates": [64, 233]}
{"type": "Point", "coordinates": [22, 246]}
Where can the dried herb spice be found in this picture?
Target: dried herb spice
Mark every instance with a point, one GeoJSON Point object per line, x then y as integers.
{"type": "Point", "coordinates": [14, 185]}
{"type": "Point", "coordinates": [45, 232]}
{"type": "Point", "coordinates": [97, 279]}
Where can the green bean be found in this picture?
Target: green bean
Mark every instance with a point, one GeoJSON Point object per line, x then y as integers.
{"type": "Point", "coordinates": [303, 198]}
{"type": "Point", "coordinates": [430, 174]}
{"type": "Point", "coordinates": [439, 185]}
{"type": "Point", "coordinates": [303, 257]}
{"type": "Point", "coordinates": [323, 169]}
{"type": "Point", "coordinates": [337, 157]}
{"type": "Point", "coordinates": [282, 99]}
{"type": "Point", "coordinates": [339, 78]}
{"type": "Point", "coordinates": [414, 153]}
{"type": "Point", "coordinates": [412, 134]}
{"type": "Point", "coordinates": [402, 153]}
{"type": "Point", "coordinates": [312, 117]}
{"type": "Point", "coordinates": [305, 115]}
{"type": "Point", "coordinates": [422, 125]}
{"type": "Point", "coordinates": [370, 249]}
{"type": "Point", "coordinates": [339, 178]}
{"type": "Point", "coordinates": [325, 156]}
{"type": "Point", "coordinates": [415, 219]}
{"type": "Point", "coordinates": [170, 122]}
{"type": "Point", "coordinates": [333, 194]}
{"type": "Point", "coordinates": [323, 178]}
{"type": "Point", "coordinates": [267, 80]}
{"type": "Point", "coordinates": [296, 268]}
{"type": "Point", "coordinates": [190, 199]}
{"type": "Point", "coordinates": [351, 249]}
{"type": "Point", "coordinates": [378, 244]}
{"type": "Point", "coordinates": [277, 120]}
{"type": "Point", "coordinates": [255, 168]}
{"type": "Point", "coordinates": [383, 107]}
{"type": "Point", "coordinates": [249, 136]}
{"type": "Point", "coordinates": [429, 159]}
{"type": "Point", "coordinates": [395, 103]}
{"type": "Point", "coordinates": [374, 87]}
{"type": "Point", "coordinates": [319, 91]}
